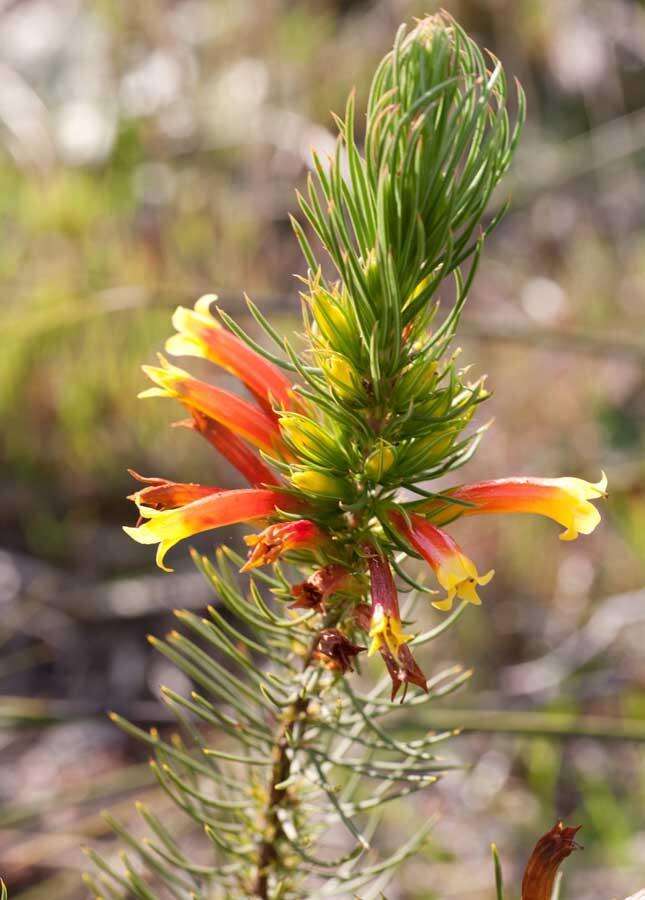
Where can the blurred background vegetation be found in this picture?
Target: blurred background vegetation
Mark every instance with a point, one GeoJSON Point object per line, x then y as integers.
{"type": "Point", "coordinates": [148, 154]}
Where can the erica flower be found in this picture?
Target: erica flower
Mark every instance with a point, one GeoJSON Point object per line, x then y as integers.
{"type": "Point", "coordinates": [542, 867]}
{"type": "Point", "coordinates": [566, 500]}
{"type": "Point", "coordinates": [277, 539]}
{"type": "Point", "coordinates": [160, 493]}
{"type": "Point", "coordinates": [312, 593]}
{"type": "Point", "coordinates": [200, 334]}
{"type": "Point", "coordinates": [232, 448]}
{"type": "Point", "coordinates": [336, 649]}
{"type": "Point", "coordinates": [455, 572]}
{"type": "Point", "coordinates": [385, 627]}
{"type": "Point", "coordinates": [167, 527]}
{"type": "Point", "coordinates": [236, 414]}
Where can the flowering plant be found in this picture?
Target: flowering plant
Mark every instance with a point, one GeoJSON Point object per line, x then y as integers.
{"type": "Point", "coordinates": [340, 442]}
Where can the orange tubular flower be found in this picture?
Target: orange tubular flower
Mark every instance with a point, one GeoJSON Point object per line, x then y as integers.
{"type": "Point", "coordinates": [385, 628]}
{"type": "Point", "coordinates": [277, 539]}
{"type": "Point", "coordinates": [199, 334]}
{"type": "Point", "coordinates": [163, 494]}
{"type": "Point", "coordinates": [455, 572]}
{"type": "Point", "coordinates": [245, 460]}
{"type": "Point", "coordinates": [167, 527]}
{"type": "Point", "coordinates": [234, 413]}
{"type": "Point", "coordinates": [566, 500]}
{"type": "Point", "coordinates": [542, 867]}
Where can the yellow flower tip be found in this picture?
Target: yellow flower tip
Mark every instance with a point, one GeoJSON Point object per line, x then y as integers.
{"type": "Point", "coordinates": [140, 534]}
{"type": "Point", "coordinates": [203, 305]}
{"type": "Point", "coordinates": [485, 579]}
{"type": "Point", "coordinates": [461, 579]}
{"type": "Point", "coordinates": [601, 486]}
{"type": "Point", "coordinates": [582, 517]}
{"type": "Point", "coordinates": [386, 632]}
{"type": "Point", "coordinates": [184, 345]}
{"type": "Point", "coordinates": [444, 605]}
{"type": "Point", "coordinates": [162, 549]}
{"type": "Point", "coordinates": [165, 378]}
{"type": "Point", "coordinates": [153, 392]}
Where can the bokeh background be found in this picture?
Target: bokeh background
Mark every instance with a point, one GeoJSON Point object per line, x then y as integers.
{"type": "Point", "coordinates": [148, 154]}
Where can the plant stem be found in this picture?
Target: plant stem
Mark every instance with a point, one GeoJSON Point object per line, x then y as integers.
{"type": "Point", "coordinates": [280, 771]}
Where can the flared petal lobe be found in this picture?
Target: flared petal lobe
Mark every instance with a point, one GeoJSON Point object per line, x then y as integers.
{"type": "Point", "coordinates": [167, 527]}
{"type": "Point", "coordinates": [565, 500]}
{"type": "Point", "coordinates": [455, 572]}
{"type": "Point", "coordinates": [240, 417]}
{"type": "Point", "coordinates": [160, 493]}
{"type": "Point", "coordinates": [200, 334]}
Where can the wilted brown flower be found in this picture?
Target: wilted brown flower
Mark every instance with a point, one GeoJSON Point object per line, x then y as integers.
{"type": "Point", "coordinates": [312, 593]}
{"type": "Point", "coordinates": [336, 649]}
{"type": "Point", "coordinates": [542, 867]}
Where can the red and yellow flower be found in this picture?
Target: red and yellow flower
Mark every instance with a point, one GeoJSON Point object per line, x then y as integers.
{"type": "Point", "coordinates": [239, 416]}
{"type": "Point", "coordinates": [200, 334]}
{"type": "Point", "coordinates": [167, 526]}
{"type": "Point", "coordinates": [455, 572]}
{"type": "Point", "coordinates": [565, 500]}
{"type": "Point", "coordinates": [232, 448]}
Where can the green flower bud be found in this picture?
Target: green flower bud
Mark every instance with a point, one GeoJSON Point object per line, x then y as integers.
{"type": "Point", "coordinates": [379, 461]}
{"type": "Point", "coordinates": [315, 482]}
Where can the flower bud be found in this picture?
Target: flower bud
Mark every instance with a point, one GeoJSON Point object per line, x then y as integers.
{"type": "Point", "coordinates": [342, 375]}
{"type": "Point", "coordinates": [418, 381]}
{"type": "Point", "coordinates": [372, 276]}
{"type": "Point", "coordinates": [306, 436]}
{"type": "Point", "coordinates": [379, 461]}
{"type": "Point", "coordinates": [331, 319]}
{"type": "Point", "coordinates": [434, 447]}
{"type": "Point", "coordinates": [315, 482]}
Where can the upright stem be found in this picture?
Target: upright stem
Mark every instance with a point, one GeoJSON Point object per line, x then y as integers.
{"type": "Point", "coordinates": [280, 771]}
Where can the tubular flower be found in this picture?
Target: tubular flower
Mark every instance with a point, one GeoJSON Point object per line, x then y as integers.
{"type": "Point", "coordinates": [167, 527]}
{"type": "Point", "coordinates": [312, 593]}
{"type": "Point", "coordinates": [234, 413]}
{"type": "Point", "coordinates": [542, 867]}
{"type": "Point", "coordinates": [455, 572]}
{"type": "Point", "coordinates": [160, 493]}
{"type": "Point", "coordinates": [243, 458]}
{"type": "Point", "coordinates": [566, 500]}
{"type": "Point", "coordinates": [277, 539]}
{"type": "Point", "coordinates": [336, 650]}
{"type": "Point", "coordinates": [200, 334]}
{"type": "Point", "coordinates": [385, 628]}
